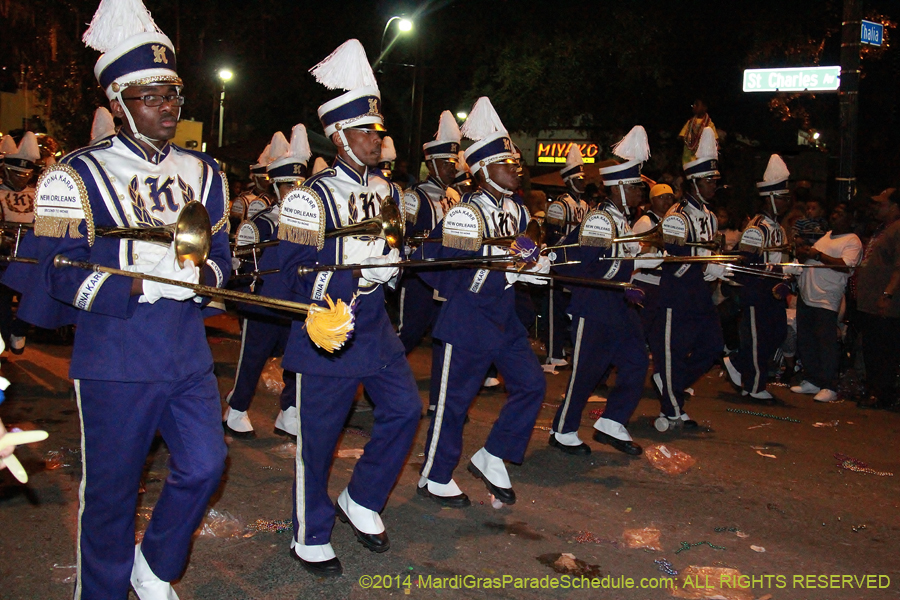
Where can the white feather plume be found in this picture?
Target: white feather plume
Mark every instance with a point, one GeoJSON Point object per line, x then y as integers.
{"type": "Point", "coordinates": [264, 158]}
{"type": "Point", "coordinates": [388, 153]}
{"type": "Point", "coordinates": [708, 147]}
{"type": "Point", "coordinates": [482, 121]}
{"type": "Point", "coordinates": [7, 145]}
{"type": "Point", "coordinates": [776, 170]}
{"type": "Point", "coordinates": [300, 143]}
{"type": "Point", "coordinates": [28, 147]}
{"type": "Point", "coordinates": [448, 130]}
{"type": "Point", "coordinates": [115, 21]}
{"type": "Point", "coordinates": [347, 68]}
{"type": "Point", "coordinates": [634, 146]}
{"type": "Point", "coordinates": [319, 165]}
{"type": "Point", "coordinates": [574, 156]}
{"type": "Point", "coordinates": [103, 124]}
{"type": "Point", "coordinates": [277, 148]}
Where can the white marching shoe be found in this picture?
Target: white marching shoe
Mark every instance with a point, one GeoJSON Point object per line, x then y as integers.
{"type": "Point", "coordinates": [237, 422]}
{"type": "Point", "coordinates": [146, 584]}
{"type": "Point", "coordinates": [287, 422]}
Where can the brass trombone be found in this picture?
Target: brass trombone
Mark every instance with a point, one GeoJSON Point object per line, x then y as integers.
{"type": "Point", "coordinates": [388, 225]}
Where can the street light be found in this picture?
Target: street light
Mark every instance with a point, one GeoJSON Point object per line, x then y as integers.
{"type": "Point", "coordinates": [461, 115]}
{"type": "Point", "coordinates": [225, 76]}
{"type": "Point", "coordinates": [404, 25]}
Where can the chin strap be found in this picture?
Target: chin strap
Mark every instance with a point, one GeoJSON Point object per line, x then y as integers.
{"type": "Point", "coordinates": [699, 195]}
{"type": "Point", "coordinates": [772, 204]}
{"type": "Point", "coordinates": [622, 196]}
{"type": "Point", "coordinates": [490, 182]}
{"type": "Point", "coordinates": [437, 174]}
{"type": "Point", "coordinates": [346, 146]}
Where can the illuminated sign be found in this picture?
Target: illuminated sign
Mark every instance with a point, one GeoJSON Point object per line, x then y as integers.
{"type": "Point", "coordinates": [803, 79]}
{"type": "Point", "coordinates": [550, 151]}
{"type": "Point", "coordinates": [871, 33]}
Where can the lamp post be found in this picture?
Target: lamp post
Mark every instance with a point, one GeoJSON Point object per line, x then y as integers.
{"type": "Point", "coordinates": [225, 76]}
{"type": "Point", "coordinates": [404, 26]}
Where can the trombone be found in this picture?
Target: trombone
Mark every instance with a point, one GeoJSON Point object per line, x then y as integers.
{"type": "Point", "coordinates": [652, 237]}
{"type": "Point", "coordinates": [387, 225]}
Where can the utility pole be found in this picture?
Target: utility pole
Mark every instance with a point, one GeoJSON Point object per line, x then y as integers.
{"type": "Point", "coordinates": [848, 97]}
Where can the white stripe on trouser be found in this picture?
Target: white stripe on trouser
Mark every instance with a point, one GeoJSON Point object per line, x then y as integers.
{"type": "Point", "coordinates": [575, 358]}
{"type": "Point", "coordinates": [672, 398]}
{"type": "Point", "coordinates": [80, 493]}
{"type": "Point", "coordinates": [550, 337]}
{"type": "Point", "coordinates": [237, 372]}
{"type": "Point", "coordinates": [439, 411]}
{"type": "Point", "coordinates": [755, 359]}
{"type": "Point", "coordinates": [402, 308]}
{"type": "Point", "coordinates": [300, 471]}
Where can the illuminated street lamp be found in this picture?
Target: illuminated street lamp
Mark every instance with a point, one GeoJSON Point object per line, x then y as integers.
{"type": "Point", "coordinates": [461, 115]}
{"type": "Point", "coordinates": [404, 25]}
{"type": "Point", "coordinates": [225, 76]}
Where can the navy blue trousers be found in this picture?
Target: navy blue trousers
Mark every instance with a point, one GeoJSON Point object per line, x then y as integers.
{"type": "Point", "coordinates": [462, 373]}
{"type": "Point", "coordinates": [559, 321]}
{"type": "Point", "coordinates": [684, 345]}
{"type": "Point", "coordinates": [261, 339]}
{"type": "Point", "coordinates": [418, 311]}
{"type": "Point", "coordinates": [323, 404]}
{"type": "Point", "coordinates": [597, 345]}
{"type": "Point", "coordinates": [763, 329]}
{"type": "Point", "coordinates": [650, 309]}
{"type": "Point", "coordinates": [119, 422]}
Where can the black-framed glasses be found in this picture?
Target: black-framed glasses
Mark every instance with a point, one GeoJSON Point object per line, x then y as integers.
{"type": "Point", "coordinates": [154, 100]}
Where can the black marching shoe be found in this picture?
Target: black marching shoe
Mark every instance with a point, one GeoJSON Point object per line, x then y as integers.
{"type": "Point", "coordinates": [376, 542]}
{"type": "Point", "coordinates": [327, 568]}
{"type": "Point", "coordinates": [458, 501]}
{"type": "Point", "coordinates": [504, 495]}
{"type": "Point", "coordinates": [621, 445]}
{"type": "Point", "coordinates": [579, 450]}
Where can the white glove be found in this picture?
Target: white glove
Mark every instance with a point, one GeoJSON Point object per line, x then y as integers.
{"type": "Point", "coordinates": [167, 268]}
{"type": "Point", "coordinates": [715, 271]}
{"type": "Point", "coordinates": [792, 270]}
{"type": "Point", "coordinates": [381, 274]}
{"type": "Point", "coordinates": [632, 248]}
{"type": "Point", "coordinates": [146, 255]}
{"type": "Point", "coordinates": [540, 267]}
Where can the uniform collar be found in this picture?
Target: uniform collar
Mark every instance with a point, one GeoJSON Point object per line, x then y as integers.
{"type": "Point", "coordinates": [693, 202]}
{"type": "Point", "coordinates": [495, 197]}
{"type": "Point", "coordinates": [434, 180]}
{"type": "Point", "coordinates": [132, 144]}
{"type": "Point", "coordinates": [343, 167]}
{"type": "Point", "coordinates": [610, 207]}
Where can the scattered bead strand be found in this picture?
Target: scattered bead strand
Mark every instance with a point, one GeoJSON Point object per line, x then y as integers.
{"type": "Point", "coordinates": [741, 411]}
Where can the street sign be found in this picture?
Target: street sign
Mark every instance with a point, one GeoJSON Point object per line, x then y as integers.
{"type": "Point", "coordinates": [802, 79]}
{"type": "Point", "coordinates": [871, 33]}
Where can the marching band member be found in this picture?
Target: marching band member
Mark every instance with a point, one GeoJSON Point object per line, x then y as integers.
{"type": "Point", "coordinates": [141, 362]}
{"type": "Point", "coordinates": [661, 200]}
{"type": "Point", "coordinates": [686, 336]}
{"type": "Point", "coordinates": [387, 158]}
{"type": "Point", "coordinates": [264, 332]}
{"type": "Point", "coordinates": [425, 205]}
{"type": "Point", "coordinates": [563, 216]}
{"type": "Point", "coordinates": [16, 206]}
{"type": "Point", "coordinates": [763, 312]}
{"type": "Point", "coordinates": [347, 193]}
{"type": "Point", "coordinates": [256, 198]}
{"type": "Point", "coordinates": [478, 324]}
{"type": "Point", "coordinates": [606, 327]}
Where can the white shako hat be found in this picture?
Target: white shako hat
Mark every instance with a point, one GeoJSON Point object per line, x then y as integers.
{"type": "Point", "coordinates": [574, 168]}
{"type": "Point", "coordinates": [25, 155]}
{"type": "Point", "coordinates": [446, 141]}
{"type": "Point", "coordinates": [388, 154]}
{"type": "Point", "coordinates": [707, 161]}
{"type": "Point", "coordinates": [135, 51]}
{"type": "Point", "coordinates": [347, 68]}
{"type": "Point", "coordinates": [492, 141]}
{"type": "Point", "coordinates": [775, 179]}
{"type": "Point", "coordinates": [634, 149]}
{"type": "Point", "coordinates": [103, 125]}
{"type": "Point", "coordinates": [290, 164]}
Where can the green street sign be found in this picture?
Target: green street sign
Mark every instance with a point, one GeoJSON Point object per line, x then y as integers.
{"type": "Point", "coordinates": [803, 79]}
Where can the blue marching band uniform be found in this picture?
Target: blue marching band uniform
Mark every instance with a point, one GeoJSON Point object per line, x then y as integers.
{"type": "Point", "coordinates": [141, 364]}
{"type": "Point", "coordinates": [763, 325]}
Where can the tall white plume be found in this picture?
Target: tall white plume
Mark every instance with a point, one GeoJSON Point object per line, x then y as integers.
{"type": "Point", "coordinates": [448, 130]}
{"type": "Point", "coordinates": [347, 68]}
{"type": "Point", "coordinates": [634, 146]}
{"type": "Point", "coordinates": [708, 147]}
{"type": "Point", "coordinates": [300, 143]}
{"type": "Point", "coordinates": [388, 153]}
{"type": "Point", "coordinates": [776, 170]}
{"type": "Point", "coordinates": [483, 121]}
{"type": "Point", "coordinates": [115, 21]}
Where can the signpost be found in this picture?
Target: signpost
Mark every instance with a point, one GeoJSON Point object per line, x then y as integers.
{"type": "Point", "coordinates": [871, 33]}
{"type": "Point", "coordinates": [803, 79]}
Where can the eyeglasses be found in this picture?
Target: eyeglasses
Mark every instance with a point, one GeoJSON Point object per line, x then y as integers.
{"type": "Point", "coordinates": [154, 100]}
